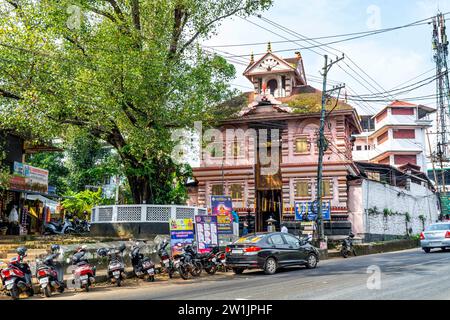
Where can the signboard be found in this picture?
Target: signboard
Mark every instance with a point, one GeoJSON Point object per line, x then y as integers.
{"type": "Point", "coordinates": [221, 207]}
{"type": "Point", "coordinates": [181, 234]}
{"type": "Point", "coordinates": [206, 232]}
{"type": "Point", "coordinates": [29, 178]}
{"type": "Point", "coordinates": [309, 209]}
{"type": "Point", "coordinates": [445, 203]}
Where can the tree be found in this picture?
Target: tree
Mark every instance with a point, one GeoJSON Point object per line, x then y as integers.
{"type": "Point", "coordinates": [82, 201]}
{"type": "Point", "coordinates": [125, 71]}
{"type": "Point", "coordinates": [89, 162]}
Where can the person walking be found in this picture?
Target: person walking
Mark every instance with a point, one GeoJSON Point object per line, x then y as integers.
{"type": "Point", "coordinates": [284, 229]}
{"type": "Point", "coordinates": [235, 223]}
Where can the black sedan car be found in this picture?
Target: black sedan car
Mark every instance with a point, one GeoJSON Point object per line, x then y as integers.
{"type": "Point", "coordinates": [270, 251]}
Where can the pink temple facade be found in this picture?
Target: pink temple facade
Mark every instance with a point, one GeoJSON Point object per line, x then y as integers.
{"type": "Point", "coordinates": [284, 103]}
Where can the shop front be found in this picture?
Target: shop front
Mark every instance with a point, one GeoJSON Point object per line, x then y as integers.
{"type": "Point", "coordinates": [26, 205]}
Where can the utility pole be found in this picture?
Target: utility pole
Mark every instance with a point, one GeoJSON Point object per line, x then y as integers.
{"type": "Point", "coordinates": [322, 143]}
{"type": "Point", "coordinates": [440, 47]}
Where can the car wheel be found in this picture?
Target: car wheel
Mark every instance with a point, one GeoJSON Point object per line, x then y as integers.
{"type": "Point", "coordinates": [427, 250]}
{"type": "Point", "coordinates": [311, 262]}
{"type": "Point", "coordinates": [271, 266]}
{"type": "Point", "coordinates": [238, 270]}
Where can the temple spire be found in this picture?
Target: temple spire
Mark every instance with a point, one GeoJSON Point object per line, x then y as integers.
{"type": "Point", "coordinates": [269, 47]}
{"type": "Point", "coordinates": [252, 58]}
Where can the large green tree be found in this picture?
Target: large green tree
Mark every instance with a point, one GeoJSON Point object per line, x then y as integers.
{"type": "Point", "coordinates": [125, 71]}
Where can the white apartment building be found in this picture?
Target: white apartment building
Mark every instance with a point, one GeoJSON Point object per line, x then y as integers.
{"type": "Point", "coordinates": [398, 136]}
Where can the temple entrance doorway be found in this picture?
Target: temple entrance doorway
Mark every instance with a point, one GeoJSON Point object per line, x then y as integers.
{"type": "Point", "coordinates": [268, 180]}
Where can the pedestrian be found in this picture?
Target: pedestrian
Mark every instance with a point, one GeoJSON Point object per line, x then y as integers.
{"type": "Point", "coordinates": [13, 220]}
{"type": "Point", "coordinates": [284, 229]}
{"type": "Point", "coordinates": [235, 223]}
{"type": "Point", "coordinates": [245, 228]}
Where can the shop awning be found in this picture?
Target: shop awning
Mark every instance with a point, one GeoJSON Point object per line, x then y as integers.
{"type": "Point", "coordinates": [47, 202]}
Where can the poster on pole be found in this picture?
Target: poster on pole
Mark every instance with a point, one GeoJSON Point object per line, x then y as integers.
{"type": "Point", "coordinates": [181, 234]}
{"type": "Point", "coordinates": [206, 233]}
{"type": "Point", "coordinates": [307, 210]}
{"type": "Point", "coordinates": [221, 207]}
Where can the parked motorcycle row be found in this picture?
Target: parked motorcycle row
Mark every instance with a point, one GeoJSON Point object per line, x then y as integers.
{"type": "Point", "coordinates": [17, 275]}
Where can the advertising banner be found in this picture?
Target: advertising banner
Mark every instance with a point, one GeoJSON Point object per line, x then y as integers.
{"type": "Point", "coordinates": [206, 232]}
{"type": "Point", "coordinates": [181, 234]}
{"type": "Point", "coordinates": [308, 209]}
{"type": "Point", "coordinates": [221, 207]}
{"type": "Point", "coordinates": [31, 178]}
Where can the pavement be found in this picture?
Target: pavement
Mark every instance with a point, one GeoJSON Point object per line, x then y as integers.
{"type": "Point", "coordinates": [405, 275]}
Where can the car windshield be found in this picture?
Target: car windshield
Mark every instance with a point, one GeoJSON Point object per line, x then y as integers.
{"type": "Point", "coordinates": [436, 227]}
{"type": "Point", "coordinates": [250, 239]}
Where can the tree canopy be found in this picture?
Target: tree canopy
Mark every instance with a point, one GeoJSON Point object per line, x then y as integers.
{"type": "Point", "coordinates": [124, 71]}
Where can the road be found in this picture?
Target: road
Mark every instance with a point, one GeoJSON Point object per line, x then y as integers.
{"type": "Point", "coordinates": [409, 274]}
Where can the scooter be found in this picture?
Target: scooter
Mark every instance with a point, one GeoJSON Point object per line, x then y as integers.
{"type": "Point", "coordinates": [50, 273]}
{"type": "Point", "coordinates": [59, 228]}
{"type": "Point", "coordinates": [168, 264]}
{"type": "Point", "coordinates": [116, 265]}
{"type": "Point", "coordinates": [83, 273]}
{"type": "Point", "coordinates": [347, 246]}
{"type": "Point", "coordinates": [16, 277]}
{"type": "Point", "coordinates": [143, 267]}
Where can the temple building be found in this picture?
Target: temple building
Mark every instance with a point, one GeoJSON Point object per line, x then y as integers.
{"type": "Point", "coordinates": [281, 114]}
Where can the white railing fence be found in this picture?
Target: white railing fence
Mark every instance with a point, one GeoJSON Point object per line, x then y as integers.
{"type": "Point", "coordinates": [144, 213]}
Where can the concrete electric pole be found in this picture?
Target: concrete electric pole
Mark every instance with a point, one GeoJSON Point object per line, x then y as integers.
{"type": "Point", "coordinates": [322, 143]}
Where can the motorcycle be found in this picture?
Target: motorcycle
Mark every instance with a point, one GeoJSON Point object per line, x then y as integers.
{"type": "Point", "coordinates": [209, 260]}
{"type": "Point", "coordinates": [59, 228]}
{"type": "Point", "coordinates": [50, 274]}
{"type": "Point", "coordinates": [81, 226]}
{"type": "Point", "coordinates": [16, 277]}
{"type": "Point", "coordinates": [347, 246]}
{"type": "Point", "coordinates": [83, 273]}
{"type": "Point", "coordinates": [188, 263]}
{"type": "Point", "coordinates": [116, 265]}
{"type": "Point", "coordinates": [143, 267]}
{"type": "Point", "coordinates": [221, 262]}
{"type": "Point", "coordinates": [168, 264]}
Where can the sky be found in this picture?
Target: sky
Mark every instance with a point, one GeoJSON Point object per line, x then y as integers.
{"type": "Point", "coordinates": [390, 58]}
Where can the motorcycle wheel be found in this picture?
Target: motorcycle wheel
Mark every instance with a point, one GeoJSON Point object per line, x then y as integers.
{"type": "Point", "coordinates": [354, 252]}
{"type": "Point", "coordinates": [171, 273]}
{"type": "Point", "coordinates": [14, 293]}
{"type": "Point", "coordinates": [61, 289]}
{"type": "Point", "coordinates": [30, 292]}
{"type": "Point", "coordinates": [184, 273]}
{"type": "Point", "coordinates": [86, 287]}
{"type": "Point", "coordinates": [119, 281]}
{"type": "Point", "coordinates": [197, 269]}
{"type": "Point", "coordinates": [344, 253]}
{"type": "Point", "coordinates": [48, 291]}
{"type": "Point", "coordinates": [211, 270]}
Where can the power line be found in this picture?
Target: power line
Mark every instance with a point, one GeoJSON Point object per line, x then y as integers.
{"type": "Point", "coordinates": [365, 33]}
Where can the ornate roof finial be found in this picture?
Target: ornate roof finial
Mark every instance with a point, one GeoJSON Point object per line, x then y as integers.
{"type": "Point", "coordinates": [252, 58]}
{"type": "Point", "coordinates": [269, 47]}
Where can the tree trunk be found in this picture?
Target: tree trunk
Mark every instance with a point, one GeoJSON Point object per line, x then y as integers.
{"type": "Point", "coordinates": [140, 188]}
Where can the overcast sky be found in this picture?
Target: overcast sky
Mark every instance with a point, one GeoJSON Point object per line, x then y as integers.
{"type": "Point", "coordinates": [389, 58]}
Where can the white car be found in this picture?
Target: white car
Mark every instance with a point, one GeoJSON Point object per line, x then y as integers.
{"type": "Point", "coordinates": [436, 236]}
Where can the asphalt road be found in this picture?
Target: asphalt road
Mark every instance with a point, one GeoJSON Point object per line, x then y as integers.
{"type": "Point", "coordinates": [409, 274]}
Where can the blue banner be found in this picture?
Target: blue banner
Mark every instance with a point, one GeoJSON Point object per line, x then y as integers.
{"type": "Point", "coordinates": [308, 209]}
